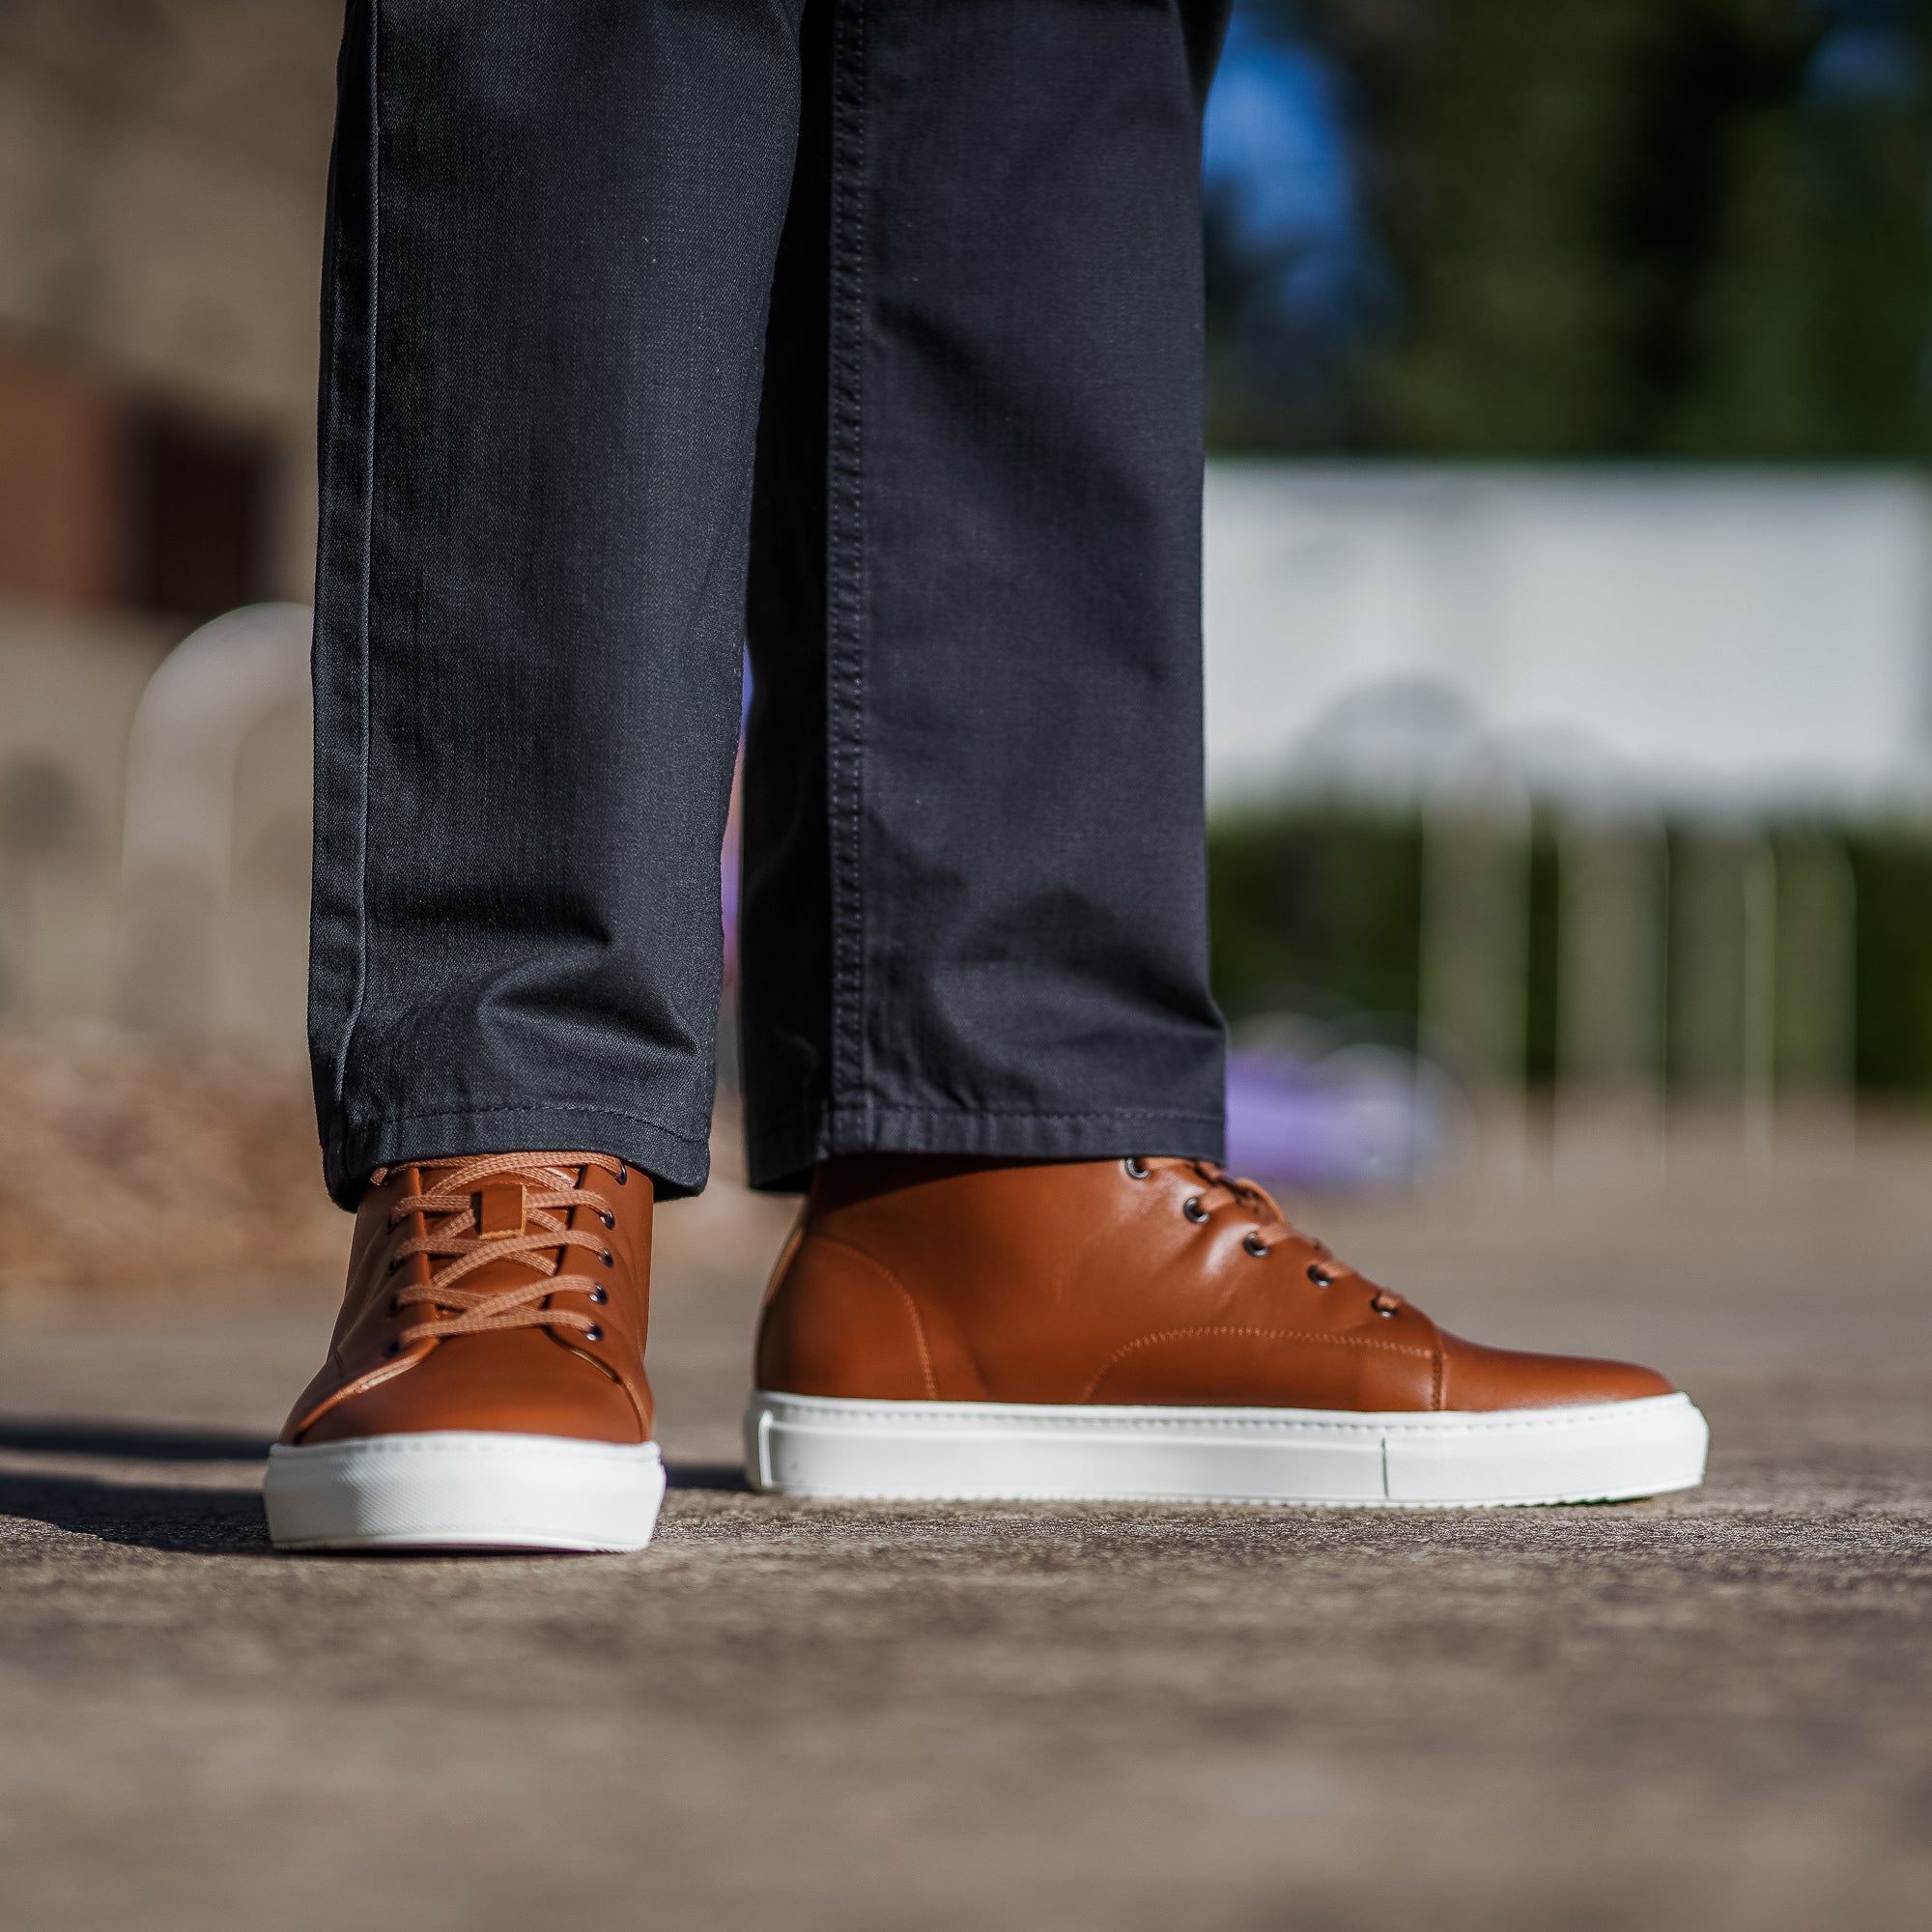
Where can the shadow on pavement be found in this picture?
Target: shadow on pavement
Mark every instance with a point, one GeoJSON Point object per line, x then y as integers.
{"type": "Point", "coordinates": [178, 1519]}
{"type": "Point", "coordinates": [706, 1476]}
{"type": "Point", "coordinates": [142, 1516]}
{"type": "Point", "coordinates": [166, 1442]}
{"type": "Point", "coordinates": [144, 1441]}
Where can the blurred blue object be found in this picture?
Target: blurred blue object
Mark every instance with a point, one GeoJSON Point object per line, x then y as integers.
{"type": "Point", "coordinates": [1279, 175]}
{"type": "Point", "coordinates": [1870, 54]}
{"type": "Point", "coordinates": [1360, 1118]}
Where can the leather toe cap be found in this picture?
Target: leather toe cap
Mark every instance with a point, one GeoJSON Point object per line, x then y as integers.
{"type": "Point", "coordinates": [1476, 1378]}
{"type": "Point", "coordinates": [518, 1382]}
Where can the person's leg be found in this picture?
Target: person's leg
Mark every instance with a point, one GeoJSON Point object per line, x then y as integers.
{"type": "Point", "coordinates": [977, 653]}
{"type": "Point", "coordinates": [551, 238]}
{"type": "Point", "coordinates": [550, 249]}
{"type": "Point", "coordinates": [976, 597]}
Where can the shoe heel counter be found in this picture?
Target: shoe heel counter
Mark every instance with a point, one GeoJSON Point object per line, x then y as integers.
{"type": "Point", "coordinates": [837, 1322]}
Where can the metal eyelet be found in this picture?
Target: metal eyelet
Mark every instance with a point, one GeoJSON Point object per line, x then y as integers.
{"type": "Point", "coordinates": [623, 1175]}
{"type": "Point", "coordinates": [1387, 1314]}
{"type": "Point", "coordinates": [1194, 1210]}
{"type": "Point", "coordinates": [605, 1215]}
{"type": "Point", "coordinates": [607, 1258]}
{"type": "Point", "coordinates": [1137, 1168]}
{"type": "Point", "coordinates": [599, 1293]}
{"type": "Point", "coordinates": [395, 1261]}
{"type": "Point", "coordinates": [1320, 1275]}
{"type": "Point", "coordinates": [396, 1306]}
{"type": "Point", "coordinates": [394, 1349]}
{"type": "Point", "coordinates": [1255, 1245]}
{"type": "Point", "coordinates": [593, 1333]}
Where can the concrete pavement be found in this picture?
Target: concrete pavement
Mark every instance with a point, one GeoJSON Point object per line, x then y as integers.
{"type": "Point", "coordinates": [1709, 1712]}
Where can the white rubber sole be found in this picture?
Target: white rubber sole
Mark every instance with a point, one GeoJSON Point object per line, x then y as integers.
{"type": "Point", "coordinates": [464, 1490]}
{"type": "Point", "coordinates": [958, 1451]}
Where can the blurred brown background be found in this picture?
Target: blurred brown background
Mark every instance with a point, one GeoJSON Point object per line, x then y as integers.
{"type": "Point", "coordinates": [161, 179]}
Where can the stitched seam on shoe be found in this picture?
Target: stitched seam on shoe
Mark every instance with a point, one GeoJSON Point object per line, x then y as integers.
{"type": "Point", "coordinates": [1254, 1334]}
{"type": "Point", "coordinates": [905, 1294]}
{"type": "Point", "coordinates": [369, 1378]}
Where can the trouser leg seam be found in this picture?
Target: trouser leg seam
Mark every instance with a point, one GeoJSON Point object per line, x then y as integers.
{"type": "Point", "coordinates": [368, 543]}
{"type": "Point", "coordinates": [845, 560]}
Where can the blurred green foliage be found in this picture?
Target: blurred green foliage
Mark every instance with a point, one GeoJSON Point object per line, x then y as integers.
{"type": "Point", "coordinates": [1658, 228]}
{"type": "Point", "coordinates": [1891, 867]}
{"type": "Point", "coordinates": [1315, 911]}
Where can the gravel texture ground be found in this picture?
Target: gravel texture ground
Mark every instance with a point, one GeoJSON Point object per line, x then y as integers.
{"type": "Point", "coordinates": [1708, 1712]}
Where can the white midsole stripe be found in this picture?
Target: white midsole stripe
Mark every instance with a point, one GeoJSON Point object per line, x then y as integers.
{"type": "Point", "coordinates": [827, 1446]}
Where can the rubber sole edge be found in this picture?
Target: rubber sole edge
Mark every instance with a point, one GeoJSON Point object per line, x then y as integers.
{"type": "Point", "coordinates": [464, 1490]}
{"type": "Point", "coordinates": [990, 1452]}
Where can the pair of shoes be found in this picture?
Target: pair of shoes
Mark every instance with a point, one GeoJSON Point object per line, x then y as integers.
{"type": "Point", "coordinates": [1127, 1329]}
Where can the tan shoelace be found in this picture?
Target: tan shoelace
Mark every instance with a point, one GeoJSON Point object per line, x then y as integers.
{"type": "Point", "coordinates": [449, 1205]}
{"type": "Point", "coordinates": [1221, 1190]}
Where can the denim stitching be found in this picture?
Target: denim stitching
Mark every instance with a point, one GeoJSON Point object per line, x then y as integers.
{"type": "Point", "coordinates": [803, 1125]}
{"type": "Point", "coordinates": [1034, 1114]}
{"type": "Point", "coordinates": [845, 561]}
{"type": "Point", "coordinates": [355, 1017]}
{"type": "Point", "coordinates": [357, 1127]}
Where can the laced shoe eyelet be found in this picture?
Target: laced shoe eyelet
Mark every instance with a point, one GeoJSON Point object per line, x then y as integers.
{"type": "Point", "coordinates": [1320, 1275]}
{"type": "Point", "coordinates": [1137, 1168]}
{"type": "Point", "coordinates": [1255, 1245]}
{"type": "Point", "coordinates": [395, 1261]}
{"type": "Point", "coordinates": [1194, 1210]}
{"type": "Point", "coordinates": [608, 1259]}
{"type": "Point", "coordinates": [605, 1215]}
{"type": "Point", "coordinates": [623, 1175]}
{"type": "Point", "coordinates": [396, 1306]}
{"type": "Point", "coordinates": [593, 1333]}
{"type": "Point", "coordinates": [600, 1292]}
{"type": "Point", "coordinates": [394, 1349]}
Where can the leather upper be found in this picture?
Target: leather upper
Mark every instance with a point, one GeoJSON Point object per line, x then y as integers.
{"type": "Point", "coordinates": [579, 1374]}
{"type": "Point", "coordinates": [1159, 1281]}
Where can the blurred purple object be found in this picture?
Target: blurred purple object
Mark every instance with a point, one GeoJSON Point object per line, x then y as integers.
{"type": "Point", "coordinates": [1363, 1117]}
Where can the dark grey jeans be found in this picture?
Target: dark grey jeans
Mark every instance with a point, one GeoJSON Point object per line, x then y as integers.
{"type": "Point", "coordinates": [869, 330]}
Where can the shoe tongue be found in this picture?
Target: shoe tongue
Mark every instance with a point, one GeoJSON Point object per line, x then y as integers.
{"type": "Point", "coordinates": [536, 1176]}
{"type": "Point", "coordinates": [500, 1202]}
{"type": "Point", "coordinates": [531, 1167]}
{"type": "Point", "coordinates": [503, 1209]}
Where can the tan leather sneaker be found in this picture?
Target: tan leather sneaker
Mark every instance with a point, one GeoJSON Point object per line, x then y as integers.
{"type": "Point", "coordinates": [485, 1385]}
{"type": "Point", "coordinates": [1153, 1329]}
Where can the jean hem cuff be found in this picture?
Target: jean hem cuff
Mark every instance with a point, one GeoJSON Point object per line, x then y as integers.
{"type": "Point", "coordinates": [677, 1163]}
{"type": "Point", "coordinates": [780, 1159]}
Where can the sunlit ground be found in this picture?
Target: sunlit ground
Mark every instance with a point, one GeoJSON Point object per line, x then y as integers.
{"type": "Point", "coordinates": [1708, 1710]}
